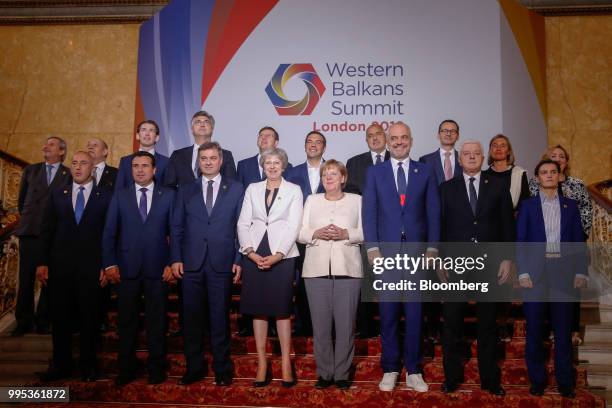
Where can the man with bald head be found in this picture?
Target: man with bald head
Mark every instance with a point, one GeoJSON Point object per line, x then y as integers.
{"type": "Point", "coordinates": [476, 208]}
{"type": "Point", "coordinates": [103, 175]}
{"type": "Point", "coordinates": [401, 215]}
{"type": "Point", "coordinates": [70, 264]}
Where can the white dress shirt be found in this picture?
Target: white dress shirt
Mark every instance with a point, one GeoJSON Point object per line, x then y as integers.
{"type": "Point", "coordinates": [314, 176]}
{"type": "Point", "coordinates": [152, 151]}
{"type": "Point", "coordinates": [405, 166]}
{"type": "Point", "coordinates": [149, 194]}
{"type": "Point", "coordinates": [99, 170]}
{"type": "Point", "coordinates": [451, 157]}
{"type": "Point", "coordinates": [466, 180]}
{"type": "Point", "coordinates": [216, 184]}
{"type": "Point", "coordinates": [382, 155]}
{"type": "Point", "coordinates": [86, 193]}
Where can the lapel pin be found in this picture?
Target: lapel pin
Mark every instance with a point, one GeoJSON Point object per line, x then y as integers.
{"type": "Point", "coordinates": [159, 192]}
{"type": "Point", "coordinates": [486, 181]}
{"type": "Point", "coordinates": [97, 193]}
{"type": "Point", "coordinates": [225, 187]}
{"type": "Point", "coordinates": [63, 172]}
{"type": "Point", "coordinates": [65, 191]}
{"type": "Point", "coordinates": [564, 205]}
{"type": "Point", "coordinates": [416, 170]}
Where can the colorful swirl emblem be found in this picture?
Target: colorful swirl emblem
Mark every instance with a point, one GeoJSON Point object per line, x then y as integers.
{"type": "Point", "coordinates": [314, 89]}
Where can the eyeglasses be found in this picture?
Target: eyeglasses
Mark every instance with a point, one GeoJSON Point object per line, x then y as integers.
{"type": "Point", "coordinates": [449, 131]}
{"type": "Point", "coordinates": [201, 122]}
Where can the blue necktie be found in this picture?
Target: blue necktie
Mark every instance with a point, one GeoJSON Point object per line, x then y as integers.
{"type": "Point", "coordinates": [473, 197]}
{"type": "Point", "coordinates": [142, 205]}
{"type": "Point", "coordinates": [401, 179]}
{"type": "Point", "coordinates": [79, 205]}
{"type": "Point", "coordinates": [378, 159]}
{"type": "Point", "coordinates": [49, 172]}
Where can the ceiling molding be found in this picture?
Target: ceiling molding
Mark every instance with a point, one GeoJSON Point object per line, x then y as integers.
{"type": "Point", "coordinates": [569, 7]}
{"type": "Point", "coordinates": [28, 12]}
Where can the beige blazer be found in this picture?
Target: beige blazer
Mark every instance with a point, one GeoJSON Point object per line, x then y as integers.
{"type": "Point", "coordinates": [283, 223]}
{"type": "Point", "coordinates": [344, 256]}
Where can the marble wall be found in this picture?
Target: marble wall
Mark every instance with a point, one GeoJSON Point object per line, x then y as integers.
{"type": "Point", "coordinates": [75, 81]}
{"type": "Point", "coordinates": [579, 92]}
{"type": "Point", "coordinates": [79, 81]}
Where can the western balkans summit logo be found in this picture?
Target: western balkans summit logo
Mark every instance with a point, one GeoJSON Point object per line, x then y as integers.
{"type": "Point", "coordinates": [314, 89]}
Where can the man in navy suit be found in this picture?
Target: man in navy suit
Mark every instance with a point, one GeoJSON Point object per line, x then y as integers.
{"type": "Point", "coordinates": [103, 175]}
{"type": "Point", "coordinates": [445, 161]}
{"type": "Point", "coordinates": [307, 176]}
{"type": "Point", "coordinates": [401, 209]}
{"type": "Point", "coordinates": [204, 255]}
{"type": "Point", "coordinates": [357, 167]}
{"type": "Point", "coordinates": [136, 257]}
{"type": "Point", "coordinates": [552, 266]}
{"type": "Point", "coordinates": [147, 134]}
{"type": "Point", "coordinates": [183, 166]}
{"type": "Point", "coordinates": [70, 264]}
{"type": "Point", "coordinates": [37, 181]}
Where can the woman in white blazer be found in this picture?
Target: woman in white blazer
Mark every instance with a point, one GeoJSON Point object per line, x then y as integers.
{"type": "Point", "coordinates": [332, 272]}
{"type": "Point", "coordinates": [268, 227]}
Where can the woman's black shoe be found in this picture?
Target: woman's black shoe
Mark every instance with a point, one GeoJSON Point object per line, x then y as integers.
{"type": "Point", "coordinates": [323, 383]}
{"type": "Point", "coordinates": [266, 381]}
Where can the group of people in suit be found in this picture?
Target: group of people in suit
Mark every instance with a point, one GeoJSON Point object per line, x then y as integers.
{"type": "Point", "coordinates": [320, 225]}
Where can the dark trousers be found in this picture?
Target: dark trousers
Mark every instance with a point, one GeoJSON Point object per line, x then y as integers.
{"type": "Point", "coordinates": [390, 313]}
{"type": "Point", "coordinates": [78, 289]}
{"type": "Point", "coordinates": [303, 322]}
{"type": "Point", "coordinates": [453, 345]}
{"type": "Point", "coordinates": [24, 310]}
{"type": "Point", "coordinates": [128, 302]}
{"type": "Point", "coordinates": [204, 291]}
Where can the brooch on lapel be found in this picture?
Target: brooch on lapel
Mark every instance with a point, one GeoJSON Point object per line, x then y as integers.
{"type": "Point", "coordinates": [65, 191]}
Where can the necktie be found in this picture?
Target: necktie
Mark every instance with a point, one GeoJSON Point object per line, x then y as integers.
{"type": "Point", "coordinates": [209, 196]}
{"type": "Point", "coordinates": [401, 179]}
{"type": "Point", "coordinates": [196, 169]}
{"type": "Point", "coordinates": [448, 169]}
{"type": "Point", "coordinates": [95, 175]}
{"type": "Point", "coordinates": [473, 197]}
{"type": "Point", "coordinates": [79, 205]}
{"type": "Point", "coordinates": [142, 204]}
{"type": "Point", "coordinates": [378, 159]}
{"type": "Point", "coordinates": [49, 172]}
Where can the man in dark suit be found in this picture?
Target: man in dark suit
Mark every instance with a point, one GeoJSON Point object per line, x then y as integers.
{"type": "Point", "coordinates": [204, 255]}
{"type": "Point", "coordinates": [136, 257]}
{"type": "Point", "coordinates": [103, 175]}
{"type": "Point", "coordinates": [36, 183]}
{"type": "Point", "coordinates": [183, 165]}
{"type": "Point", "coordinates": [476, 208]}
{"type": "Point", "coordinates": [307, 176]}
{"type": "Point", "coordinates": [401, 214]}
{"type": "Point", "coordinates": [552, 266]}
{"type": "Point", "coordinates": [147, 134]}
{"type": "Point", "coordinates": [445, 161]}
{"type": "Point", "coordinates": [70, 264]}
{"type": "Point", "coordinates": [357, 167]}
{"type": "Point", "coordinates": [250, 171]}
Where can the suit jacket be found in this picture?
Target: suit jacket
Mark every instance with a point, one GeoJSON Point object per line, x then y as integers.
{"type": "Point", "coordinates": [33, 195]}
{"type": "Point", "coordinates": [299, 175]}
{"type": "Point", "coordinates": [384, 218]}
{"type": "Point", "coordinates": [248, 171]}
{"type": "Point", "coordinates": [195, 234]}
{"type": "Point", "coordinates": [433, 160]}
{"type": "Point", "coordinates": [180, 167]}
{"type": "Point", "coordinates": [66, 246]}
{"type": "Point", "coordinates": [328, 256]}
{"type": "Point", "coordinates": [357, 167]}
{"type": "Point", "coordinates": [282, 224]}
{"type": "Point", "coordinates": [125, 179]}
{"type": "Point", "coordinates": [140, 249]}
{"type": "Point", "coordinates": [530, 230]}
{"type": "Point", "coordinates": [109, 177]}
{"type": "Point", "coordinates": [494, 220]}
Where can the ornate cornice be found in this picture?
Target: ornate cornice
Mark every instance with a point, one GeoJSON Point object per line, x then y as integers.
{"type": "Point", "coordinates": [26, 12]}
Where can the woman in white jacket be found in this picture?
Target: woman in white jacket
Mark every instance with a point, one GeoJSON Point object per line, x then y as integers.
{"type": "Point", "coordinates": [268, 227]}
{"type": "Point", "coordinates": [332, 272]}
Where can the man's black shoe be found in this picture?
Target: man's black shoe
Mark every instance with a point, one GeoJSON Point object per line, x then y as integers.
{"type": "Point", "coordinates": [323, 383]}
{"type": "Point", "coordinates": [124, 379]}
{"type": "Point", "coordinates": [89, 376]}
{"type": "Point", "coordinates": [495, 390]}
{"type": "Point", "coordinates": [536, 390]}
{"type": "Point", "coordinates": [53, 374]}
{"type": "Point", "coordinates": [157, 378]}
{"type": "Point", "coordinates": [567, 392]}
{"type": "Point", "coordinates": [448, 388]}
{"type": "Point", "coordinates": [343, 384]}
{"type": "Point", "coordinates": [223, 379]}
{"type": "Point", "coordinates": [20, 330]}
{"type": "Point", "coordinates": [43, 329]}
{"type": "Point", "coordinates": [190, 378]}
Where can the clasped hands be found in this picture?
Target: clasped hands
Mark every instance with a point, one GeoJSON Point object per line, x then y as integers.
{"type": "Point", "coordinates": [331, 232]}
{"type": "Point", "coordinates": [265, 262]}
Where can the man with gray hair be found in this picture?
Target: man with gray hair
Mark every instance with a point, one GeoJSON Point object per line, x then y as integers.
{"type": "Point", "coordinates": [104, 175]}
{"type": "Point", "coordinates": [36, 183]}
{"type": "Point", "coordinates": [183, 165]}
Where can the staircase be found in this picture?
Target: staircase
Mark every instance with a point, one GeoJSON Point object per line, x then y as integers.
{"type": "Point", "coordinates": [363, 392]}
